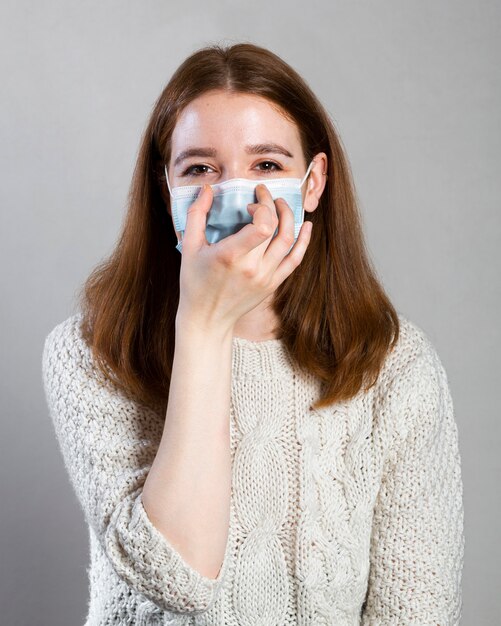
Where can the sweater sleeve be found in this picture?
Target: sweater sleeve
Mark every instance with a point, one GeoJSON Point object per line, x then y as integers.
{"type": "Point", "coordinates": [108, 444]}
{"type": "Point", "coordinates": [417, 542]}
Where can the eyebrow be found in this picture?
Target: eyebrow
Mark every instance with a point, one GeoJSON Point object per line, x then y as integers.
{"type": "Point", "coordinates": [258, 148]}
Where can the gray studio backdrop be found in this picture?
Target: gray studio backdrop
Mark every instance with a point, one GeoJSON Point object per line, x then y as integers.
{"type": "Point", "coordinates": [414, 90]}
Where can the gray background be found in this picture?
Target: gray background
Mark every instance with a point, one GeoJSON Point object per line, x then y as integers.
{"type": "Point", "coordinates": [414, 91]}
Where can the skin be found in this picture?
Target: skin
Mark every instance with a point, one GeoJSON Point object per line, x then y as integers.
{"type": "Point", "coordinates": [229, 122]}
{"type": "Point", "coordinates": [225, 291]}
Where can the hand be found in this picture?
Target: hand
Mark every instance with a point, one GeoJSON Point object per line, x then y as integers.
{"type": "Point", "coordinates": [220, 282]}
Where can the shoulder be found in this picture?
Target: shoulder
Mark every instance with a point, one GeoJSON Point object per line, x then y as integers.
{"type": "Point", "coordinates": [66, 332]}
{"type": "Point", "coordinates": [414, 356]}
{"type": "Point", "coordinates": [413, 379]}
{"type": "Point", "coordinates": [415, 397]}
{"type": "Point", "coordinates": [68, 363]}
{"type": "Point", "coordinates": [64, 345]}
{"type": "Point", "coordinates": [413, 342]}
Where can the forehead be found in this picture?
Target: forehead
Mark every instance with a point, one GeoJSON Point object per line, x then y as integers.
{"type": "Point", "coordinates": [216, 117]}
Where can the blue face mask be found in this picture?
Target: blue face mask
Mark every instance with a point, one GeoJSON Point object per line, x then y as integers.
{"type": "Point", "coordinates": [228, 212]}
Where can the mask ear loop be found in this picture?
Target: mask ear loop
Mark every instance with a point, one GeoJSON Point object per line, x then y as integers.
{"type": "Point", "coordinates": [306, 174]}
{"type": "Point", "coordinates": [180, 242]}
{"type": "Point", "coordinates": [167, 179]}
{"type": "Point", "coordinates": [300, 185]}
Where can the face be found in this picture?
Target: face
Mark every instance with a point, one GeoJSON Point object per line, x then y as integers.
{"type": "Point", "coordinates": [230, 136]}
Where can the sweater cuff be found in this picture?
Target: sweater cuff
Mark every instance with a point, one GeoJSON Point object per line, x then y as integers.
{"type": "Point", "coordinates": [142, 556]}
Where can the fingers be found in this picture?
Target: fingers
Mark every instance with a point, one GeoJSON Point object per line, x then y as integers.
{"type": "Point", "coordinates": [295, 256]}
{"type": "Point", "coordinates": [196, 219]}
{"type": "Point", "coordinates": [283, 255]}
{"type": "Point", "coordinates": [281, 215]}
{"type": "Point", "coordinates": [267, 214]}
{"type": "Point", "coordinates": [281, 244]}
{"type": "Point", "coordinates": [260, 230]}
{"type": "Point", "coordinates": [265, 198]}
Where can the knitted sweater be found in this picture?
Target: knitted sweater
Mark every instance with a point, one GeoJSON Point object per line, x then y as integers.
{"type": "Point", "coordinates": [342, 516]}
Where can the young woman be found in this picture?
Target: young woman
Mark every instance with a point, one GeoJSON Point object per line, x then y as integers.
{"type": "Point", "coordinates": [253, 432]}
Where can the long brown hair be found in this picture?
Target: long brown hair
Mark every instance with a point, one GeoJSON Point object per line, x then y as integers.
{"type": "Point", "coordinates": [336, 320]}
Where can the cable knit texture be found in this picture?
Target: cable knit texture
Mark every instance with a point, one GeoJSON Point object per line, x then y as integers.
{"type": "Point", "coordinates": [347, 515]}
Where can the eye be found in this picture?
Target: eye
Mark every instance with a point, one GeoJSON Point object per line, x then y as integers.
{"type": "Point", "coordinates": [194, 170]}
{"type": "Point", "coordinates": [189, 171]}
{"type": "Point", "coordinates": [277, 167]}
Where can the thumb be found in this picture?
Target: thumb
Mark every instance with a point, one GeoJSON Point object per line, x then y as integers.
{"type": "Point", "coordinates": [196, 217]}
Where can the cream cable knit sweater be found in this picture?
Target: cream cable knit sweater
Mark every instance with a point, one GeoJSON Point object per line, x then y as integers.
{"type": "Point", "coordinates": [349, 515]}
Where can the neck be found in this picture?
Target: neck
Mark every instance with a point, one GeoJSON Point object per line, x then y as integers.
{"type": "Point", "coordinates": [259, 324]}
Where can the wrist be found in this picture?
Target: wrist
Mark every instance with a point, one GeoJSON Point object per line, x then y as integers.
{"type": "Point", "coordinates": [187, 324]}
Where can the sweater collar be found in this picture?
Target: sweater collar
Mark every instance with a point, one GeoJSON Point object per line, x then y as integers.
{"type": "Point", "coordinates": [260, 359]}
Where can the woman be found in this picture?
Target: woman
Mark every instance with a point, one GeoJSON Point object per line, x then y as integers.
{"type": "Point", "coordinates": [255, 435]}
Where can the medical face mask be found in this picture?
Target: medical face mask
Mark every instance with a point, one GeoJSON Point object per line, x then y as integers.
{"type": "Point", "coordinates": [228, 212]}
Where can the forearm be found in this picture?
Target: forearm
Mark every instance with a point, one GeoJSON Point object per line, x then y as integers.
{"type": "Point", "coordinates": [187, 491]}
